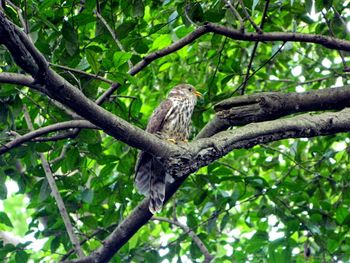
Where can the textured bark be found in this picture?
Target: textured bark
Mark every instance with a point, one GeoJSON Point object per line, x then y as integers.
{"type": "Point", "coordinates": [238, 111]}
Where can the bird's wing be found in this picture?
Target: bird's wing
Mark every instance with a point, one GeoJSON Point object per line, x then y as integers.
{"type": "Point", "coordinates": [145, 161]}
{"type": "Point", "coordinates": [156, 122]}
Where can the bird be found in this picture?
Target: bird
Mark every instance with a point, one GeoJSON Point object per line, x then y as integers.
{"type": "Point", "coordinates": [171, 121]}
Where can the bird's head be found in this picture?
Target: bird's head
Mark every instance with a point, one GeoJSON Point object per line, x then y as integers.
{"type": "Point", "coordinates": [185, 91]}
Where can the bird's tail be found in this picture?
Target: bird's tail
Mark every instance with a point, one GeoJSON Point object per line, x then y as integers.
{"type": "Point", "coordinates": [150, 180]}
{"type": "Point", "coordinates": [157, 190]}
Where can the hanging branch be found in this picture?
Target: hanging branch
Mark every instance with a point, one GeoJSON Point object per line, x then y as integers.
{"type": "Point", "coordinates": [56, 194]}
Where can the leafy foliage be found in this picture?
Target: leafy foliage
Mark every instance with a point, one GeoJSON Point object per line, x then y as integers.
{"type": "Point", "coordinates": [272, 202]}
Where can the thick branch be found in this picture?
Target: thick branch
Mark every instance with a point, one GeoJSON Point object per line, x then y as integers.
{"type": "Point", "coordinates": [204, 151]}
{"type": "Point", "coordinates": [207, 257]}
{"type": "Point", "coordinates": [242, 110]}
{"type": "Point", "coordinates": [273, 105]}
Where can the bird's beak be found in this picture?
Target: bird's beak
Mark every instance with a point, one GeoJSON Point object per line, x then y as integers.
{"type": "Point", "coordinates": [197, 93]}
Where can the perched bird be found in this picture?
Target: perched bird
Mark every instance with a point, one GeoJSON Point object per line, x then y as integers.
{"type": "Point", "coordinates": [171, 120]}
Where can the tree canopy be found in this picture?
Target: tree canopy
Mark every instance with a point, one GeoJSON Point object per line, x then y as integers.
{"type": "Point", "coordinates": [264, 176]}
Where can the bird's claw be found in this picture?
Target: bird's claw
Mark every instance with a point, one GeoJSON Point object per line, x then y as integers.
{"type": "Point", "coordinates": [171, 140]}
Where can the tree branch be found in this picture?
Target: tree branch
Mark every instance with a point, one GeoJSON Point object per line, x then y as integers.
{"type": "Point", "coordinates": [328, 42]}
{"type": "Point", "coordinates": [39, 132]}
{"type": "Point", "coordinates": [19, 79]}
{"type": "Point", "coordinates": [155, 55]}
{"type": "Point", "coordinates": [207, 257]}
{"type": "Point", "coordinates": [20, 16]}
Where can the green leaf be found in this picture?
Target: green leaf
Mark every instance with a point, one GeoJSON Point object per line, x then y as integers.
{"type": "Point", "coordinates": [87, 196]}
{"type": "Point", "coordinates": [255, 3]}
{"type": "Point", "coordinates": [55, 243]}
{"type": "Point", "coordinates": [119, 58]}
{"type": "Point", "coordinates": [308, 6]}
{"type": "Point", "coordinates": [161, 42]}
{"type": "Point", "coordinates": [3, 188]}
{"type": "Point", "coordinates": [332, 245]}
{"type": "Point", "coordinates": [45, 190]}
{"type": "Point", "coordinates": [71, 38]}
{"type": "Point", "coordinates": [89, 136]}
{"type": "Point", "coordinates": [224, 221]}
{"type": "Point", "coordinates": [340, 214]}
{"type": "Point", "coordinates": [92, 58]}
{"type": "Point", "coordinates": [42, 147]}
{"type": "Point", "coordinates": [4, 219]}
{"type": "Point", "coordinates": [21, 256]}
{"type": "Point", "coordinates": [194, 12]}
{"type": "Point", "coordinates": [138, 8]}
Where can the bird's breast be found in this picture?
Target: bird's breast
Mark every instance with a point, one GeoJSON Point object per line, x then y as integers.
{"type": "Point", "coordinates": [178, 120]}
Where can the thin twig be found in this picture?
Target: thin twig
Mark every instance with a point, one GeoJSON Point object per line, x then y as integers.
{"type": "Point", "coordinates": [26, 15]}
{"type": "Point", "coordinates": [310, 81]}
{"type": "Point", "coordinates": [217, 67]}
{"type": "Point", "coordinates": [261, 66]}
{"type": "Point", "coordinates": [207, 257]}
{"type": "Point", "coordinates": [87, 238]}
{"type": "Point", "coordinates": [341, 19]}
{"type": "Point", "coordinates": [55, 192]}
{"type": "Point", "coordinates": [62, 154]}
{"type": "Point", "coordinates": [257, 28]}
{"type": "Point", "coordinates": [20, 16]}
{"type": "Point", "coordinates": [114, 36]}
{"type": "Point", "coordinates": [346, 68]}
{"type": "Point", "coordinates": [328, 42]}
{"type": "Point", "coordinates": [254, 49]}
{"type": "Point", "coordinates": [81, 73]}
{"type": "Point", "coordinates": [236, 14]}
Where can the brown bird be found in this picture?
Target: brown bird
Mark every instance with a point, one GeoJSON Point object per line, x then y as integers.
{"type": "Point", "coordinates": [171, 120]}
